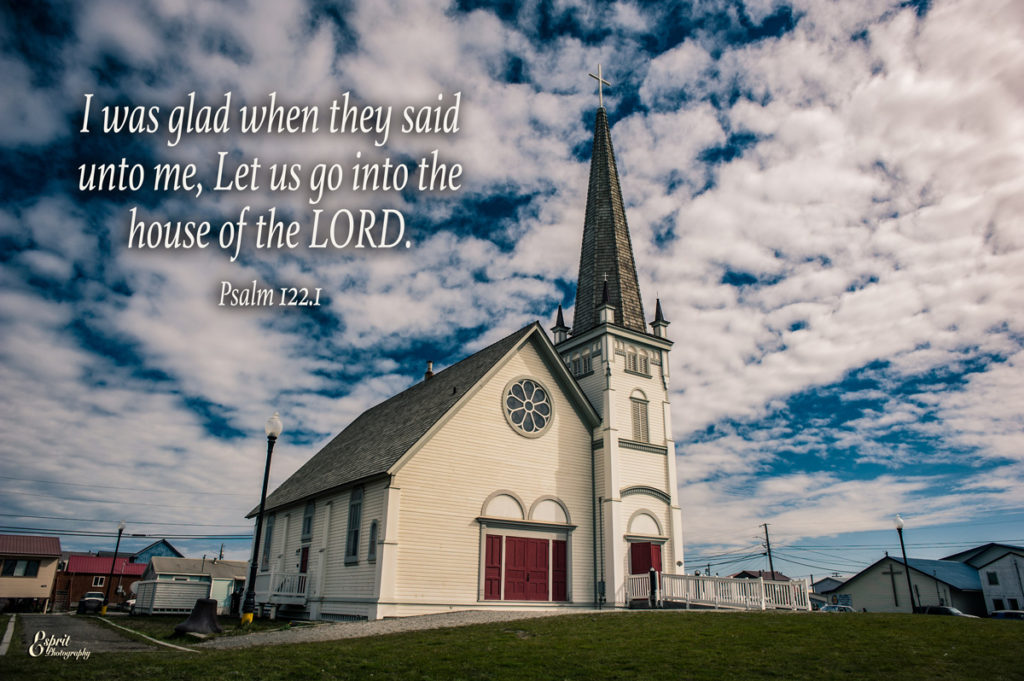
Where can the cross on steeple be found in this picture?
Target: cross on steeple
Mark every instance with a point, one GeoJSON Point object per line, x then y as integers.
{"type": "Point", "coordinates": [601, 82]}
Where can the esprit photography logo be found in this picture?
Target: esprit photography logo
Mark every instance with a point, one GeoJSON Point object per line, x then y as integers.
{"type": "Point", "coordinates": [55, 646]}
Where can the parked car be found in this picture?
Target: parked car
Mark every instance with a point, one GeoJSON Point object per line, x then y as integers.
{"type": "Point", "coordinates": [837, 608]}
{"type": "Point", "coordinates": [125, 606]}
{"type": "Point", "coordinates": [91, 602]}
{"type": "Point", "coordinates": [944, 610]}
{"type": "Point", "coordinates": [1008, 614]}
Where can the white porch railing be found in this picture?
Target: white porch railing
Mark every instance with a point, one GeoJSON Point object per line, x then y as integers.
{"type": "Point", "coordinates": [280, 587]}
{"type": "Point", "coordinates": [723, 592]}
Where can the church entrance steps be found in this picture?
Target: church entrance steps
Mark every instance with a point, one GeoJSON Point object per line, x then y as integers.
{"type": "Point", "coordinates": [717, 592]}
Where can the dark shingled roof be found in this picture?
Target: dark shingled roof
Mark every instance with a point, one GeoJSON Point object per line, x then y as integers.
{"type": "Point", "coordinates": [606, 250]}
{"type": "Point", "coordinates": [379, 437]}
{"type": "Point", "coordinates": [28, 545]}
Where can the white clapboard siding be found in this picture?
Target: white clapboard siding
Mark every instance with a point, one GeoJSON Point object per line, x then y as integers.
{"type": "Point", "coordinates": [164, 596]}
{"type": "Point", "coordinates": [476, 453]}
{"type": "Point", "coordinates": [643, 468]}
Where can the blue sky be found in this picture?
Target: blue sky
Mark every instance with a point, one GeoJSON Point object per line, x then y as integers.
{"type": "Point", "coordinates": [826, 197]}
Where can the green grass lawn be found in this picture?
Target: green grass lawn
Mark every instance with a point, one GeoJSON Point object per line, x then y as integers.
{"type": "Point", "coordinates": [638, 645]}
{"type": "Point", "coordinates": [161, 627]}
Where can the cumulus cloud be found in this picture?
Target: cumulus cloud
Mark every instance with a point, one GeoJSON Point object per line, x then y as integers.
{"type": "Point", "coordinates": [826, 199]}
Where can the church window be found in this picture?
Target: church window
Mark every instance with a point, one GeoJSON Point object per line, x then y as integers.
{"type": "Point", "coordinates": [638, 406]}
{"type": "Point", "coordinates": [307, 522]}
{"type": "Point", "coordinates": [637, 362]}
{"type": "Point", "coordinates": [371, 550]}
{"type": "Point", "coordinates": [355, 510]}
{"type": "Point", "coordinates": [527, 407]}
{"type": "Point", "coordinates": [581, 364]}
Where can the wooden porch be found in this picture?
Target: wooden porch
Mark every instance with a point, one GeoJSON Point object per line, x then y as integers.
{"type": "Point", "coordinates": [278, 589]}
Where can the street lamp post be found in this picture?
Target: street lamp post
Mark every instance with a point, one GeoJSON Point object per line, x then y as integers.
{"type": "Point", "coordinates": [906, 566]}
{"type": "Point", "coordinates": [113, 561]}
{"type": "Point", "coordinates": [273, 429]}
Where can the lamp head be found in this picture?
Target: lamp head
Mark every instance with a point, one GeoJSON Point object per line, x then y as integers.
{"type": "Point", "coordinates": [274, 426]}
{"type": "Point", "coordinates": [899, 522]}
{"type": "Point", "coordinates": [120, 526]}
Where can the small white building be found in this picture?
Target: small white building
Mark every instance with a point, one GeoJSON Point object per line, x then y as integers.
{"type": "Point", "coordinates": [172, 585]}
{"type": "Point", "coordinates": [532, 474]}
{"type": "Point", "coordinates": [882, 587]}
{"type": "Point", "coordinates": [1002, 581]}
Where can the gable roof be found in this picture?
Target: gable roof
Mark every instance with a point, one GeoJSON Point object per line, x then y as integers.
{"type": "Point", "coordinates": [29, 545]}
{"type": "Point", "coordinates": [957, 575]}
{"type": "Point", "coordinates": [161, 544]}
{"type": "Point", "coordinates": [100, 565]}
{"type": "Point", "coordinates": [217, 569]}
{"type": "Point", "coordinates": [381, 435]}
{"type": "Point", "coordinates": [1018, 554]}
{"type": "Point", "coordinates": [971, 556]}
{"type": "Point", "coordinates": [761, 574]}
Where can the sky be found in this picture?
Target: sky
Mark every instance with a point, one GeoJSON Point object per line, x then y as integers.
{"type": "Point", "coordinates": [826, 197]}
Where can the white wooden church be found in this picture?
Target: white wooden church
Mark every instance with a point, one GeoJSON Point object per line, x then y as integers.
{"type": "Point", "coordinates": [533, 474]}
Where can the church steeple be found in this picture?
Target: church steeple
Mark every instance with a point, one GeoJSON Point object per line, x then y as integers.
{"type": "Point", "coordinates": [607, 254]}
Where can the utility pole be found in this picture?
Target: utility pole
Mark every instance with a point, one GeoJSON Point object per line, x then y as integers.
{"type": "Point", "coordinates": [768, 545]}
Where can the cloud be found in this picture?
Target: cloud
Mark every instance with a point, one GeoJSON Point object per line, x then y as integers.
{"type": "Point", "coordinates": [825, 198]}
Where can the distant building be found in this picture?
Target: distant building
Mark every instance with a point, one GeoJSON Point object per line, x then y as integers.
{"type": "Point", "coordinates": [827, 584]}
{"type": "Point", "coordinates": [882, 587]}
{"type": "Point", "coordinates": [775, 576]}
{"type": "Point", "coordinates": [173, 584]}
{"type": "Point", "coordinates": [1002, 581]}
{"type": "Point", "coordinates": [157, 548]}
{"type": "Point", "coordinates": [83, 573]}
{"type": "Point", "coordinates": [28, 567]}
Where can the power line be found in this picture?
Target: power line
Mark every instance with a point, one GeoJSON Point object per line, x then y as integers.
{"type": "Point", "coordinates": [105, 520]}
{"type": "Point", "coordinates": [86, 533]}
{"type": "Point", "coordinates": [119, 501]}
{"type": "Point", "coordinates": [131, 489]}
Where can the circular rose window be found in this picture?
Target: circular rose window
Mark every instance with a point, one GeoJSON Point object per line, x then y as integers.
{"type": "Point", "coordinates": [527, 406]}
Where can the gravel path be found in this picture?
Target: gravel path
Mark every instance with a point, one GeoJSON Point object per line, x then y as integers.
{"type": "Point", "coordinates": [333, 631]}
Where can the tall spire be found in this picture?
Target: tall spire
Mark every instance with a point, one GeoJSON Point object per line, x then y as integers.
{"type": "Point", "coordinates": [607, 251]}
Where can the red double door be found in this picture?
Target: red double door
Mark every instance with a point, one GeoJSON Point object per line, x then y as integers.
{"type": "Point", "coordinates": [643, 555]}
{"type": "Point", "coordinates": [528, 570]}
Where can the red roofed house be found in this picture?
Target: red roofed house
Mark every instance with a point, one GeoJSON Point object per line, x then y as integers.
{"type": "Point", "coordinates": [28, 565]}
{"type": "Point", "coordinates": [85, 573]}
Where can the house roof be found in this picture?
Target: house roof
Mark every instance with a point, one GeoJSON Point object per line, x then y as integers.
{"type": "Point", "coordinates": [134, 555]}
{"type": "Point", "coordinates": [99, 565]}
{"type": "Point", "coordinates": [1004, 554]}
{"type": "Point", "coordinates": [29, 545]}
{"type": "Point", "coordinates": [218, 569]}
{"type": "Point", "coordinates": [606, 256]}
{"type": "Point", "coordinates": [380, 436]}
{"type": "Point", "coordinates": [761, 574]}
{"type": "Point", "coordinates": [970, 555]}
{"type": "Point", "coordinates": [959, 575]}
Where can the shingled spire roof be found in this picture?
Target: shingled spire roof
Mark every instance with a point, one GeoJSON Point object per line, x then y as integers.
{"type": "Point", "coordinates": [607, 251]}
